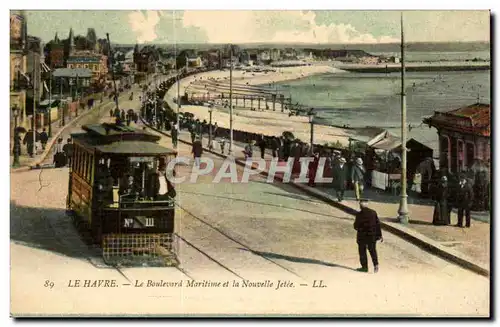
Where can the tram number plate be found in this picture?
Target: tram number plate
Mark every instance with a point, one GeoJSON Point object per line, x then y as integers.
{"type": "Point", "coordinates": [141, 159]}
{"type": "Point", "coordinates": [145, 221]}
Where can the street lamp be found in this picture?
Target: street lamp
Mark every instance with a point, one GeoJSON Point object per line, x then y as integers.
{"type": "Point", "coordinates": [403, 204]}
{"type": "Point", "coordinates": [210, 110]}
{"type": "Point", "coordinates": [17, 141]}
{"type": "Point", "coordinates": [311, 121]}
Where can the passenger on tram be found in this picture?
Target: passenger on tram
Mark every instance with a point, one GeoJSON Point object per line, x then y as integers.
{"type": "Point", "coordinates": [128, 187]}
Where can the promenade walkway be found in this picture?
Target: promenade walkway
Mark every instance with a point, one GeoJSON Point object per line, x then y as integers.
{"type": "Point", "coordinates": [26, 161]}
{"type": "Point", "coordinates": [468, 247]}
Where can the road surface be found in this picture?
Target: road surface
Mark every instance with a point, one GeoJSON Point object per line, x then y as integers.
{"type": "Point", "coordinates": [250, 237]}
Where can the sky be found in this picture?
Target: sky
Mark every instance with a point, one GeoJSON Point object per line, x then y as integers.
{"type": "Point", "coordinates": [265, 26]}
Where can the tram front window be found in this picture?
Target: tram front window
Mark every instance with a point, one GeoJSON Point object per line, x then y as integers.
{"type": "Point", "coordinates": [132, 179]}
{"type": "Point", "coordinates": [144, 179]}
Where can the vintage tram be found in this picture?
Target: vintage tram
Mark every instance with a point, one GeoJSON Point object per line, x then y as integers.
{"type": "Point", "coordinates": [120, 194]}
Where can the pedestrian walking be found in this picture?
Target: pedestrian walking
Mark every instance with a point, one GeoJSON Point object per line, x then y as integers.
{"type": "Point", "coordinates": [59, 155]}
{"type": "Point", "coordinates": [368, 230]}
{"type": "Point", "coordinates": [44, 138]}
{"type": "Point", "coordinates": [262, 146]}
{"type": "Point", "coordinates": [175, 135]}
{"type": "Point", "coordinates": [287, 146]}
{"type": "Point", "coordinates": [313, 168]}
{"type": "Point", "coordinates": [464, 198]}
{"type": "Point", "coordinates": [441, 214]}
{"type": "Point", "coordinates": [193, 135]}
{"type": "Point", "coordinates": [275, 146]}
{"type": "Point", "coordinates": [248, 151]}
{"type": "Point", "coordinates": [197, 151]}
{"type": "Point", "coordinates": [68, 150]}
{"type": "Point", "coordinates": [111, 112]}
{"type": "Point", "coordinates": [358, 178]}
{"type": "Point", "coordinates": [222, 143]}
{"type": "Point", "coordinates": [28, 140]}
{"type": "Point", "coordinates": [340, 178]}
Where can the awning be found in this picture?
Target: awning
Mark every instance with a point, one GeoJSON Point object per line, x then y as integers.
{"type": "Point", "coordinates": [385, 142]}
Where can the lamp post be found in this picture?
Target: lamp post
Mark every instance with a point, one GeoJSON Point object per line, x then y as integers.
{"type": "Point", "coordinates": [17, 142]}
{"type": "Point", "coordinates": [403, 205]}
{"type": "Point", "coordinates": [210, 110]}
{"type": "Point", "coordinates": [76, 96]}
{"type": "Point", "coordinates": [230, 151]}
{"type": "Point", "coordinates": [61, 109]}
{"type": "Point", "coordinates": [310, 114]}
{"type": "Point", "coordinates": [50, 103]}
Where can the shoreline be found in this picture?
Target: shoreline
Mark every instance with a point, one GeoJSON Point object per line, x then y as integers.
{"type": "Point", "coordinates": [267, 122]}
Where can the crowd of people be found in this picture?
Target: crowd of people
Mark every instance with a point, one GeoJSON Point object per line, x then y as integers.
{"type": "Point", "coordinates": [466, 191]}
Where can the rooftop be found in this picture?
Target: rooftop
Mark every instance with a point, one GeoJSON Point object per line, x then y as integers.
{"type": "Point", "coordinates": [475, 119]}
{"type": "Point", "coordinates": [120, 139]}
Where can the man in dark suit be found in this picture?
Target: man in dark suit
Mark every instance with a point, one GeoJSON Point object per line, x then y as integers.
{"type": "Point", "coordinates": [367, 225]}
{"type": "Point", "coordinates": [464, 198]}
{"type": "Point", "coordinates": [340, 178]}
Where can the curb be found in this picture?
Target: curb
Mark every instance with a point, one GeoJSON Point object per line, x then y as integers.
{"type": "Point", "coordinates": [415, 238]}
{"type": "Point", "coordinates": [51, 143]}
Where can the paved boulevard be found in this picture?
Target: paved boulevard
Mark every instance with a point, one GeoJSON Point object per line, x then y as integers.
{"type": "Point", "coordinates": [229, 232]}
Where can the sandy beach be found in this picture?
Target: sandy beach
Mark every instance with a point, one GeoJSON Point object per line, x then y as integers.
{"type": "Point", "coordinates": [267, 122]}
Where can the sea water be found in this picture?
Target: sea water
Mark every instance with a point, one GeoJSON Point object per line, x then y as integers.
{"type": "Point", "coordinates": [373, 99]}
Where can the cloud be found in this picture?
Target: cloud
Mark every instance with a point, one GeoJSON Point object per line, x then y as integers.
{"type": "Point", "coordinates": [276, 27]}
{"type": "Point", "coordinates": [144, 25]}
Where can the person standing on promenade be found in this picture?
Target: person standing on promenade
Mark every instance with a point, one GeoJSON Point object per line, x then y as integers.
{"type": "Point", "coordinates": [262, 146]}
{"type": "Point", "coordinates": [68, 150]}
{"type": "Point", "coordinates": [44, 138]}
{"type": "Point", "coordinates": [197, 151]}
{"type": "Point", "coordinates": [275, 146]}
{"type": "Point", "coordinates": [222, 143]}
{"type": "Point", "coordinates": [313, 168]}
{"type": "Point", "coordinates": [369, 232]}
{"type": "Point", "coordinates": [358, 178]}
{"type": "Point", "coordinates": [59, 156]}
{"type": "Point", "coordinates": [441, 213]}
{"type": "Point", "coordinates": [175, 135]}
{"type": "Point", "coordinates": [340, 178]}
{"type": "Point", "coordinates": [464, 199]}
{"type": "Point", "coordinates": [248, 151]}
{"type": "Point", "coordinates": [28, 140]}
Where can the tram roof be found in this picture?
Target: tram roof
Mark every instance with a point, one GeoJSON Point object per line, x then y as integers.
{"type": "Point", "coordinates": [113, 132]}
{"type": "Point", "coordinates": [118, 139]}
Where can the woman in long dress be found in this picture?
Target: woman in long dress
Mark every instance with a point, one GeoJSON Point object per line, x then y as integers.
{"type": "Point", "coordinates": [441, 212]}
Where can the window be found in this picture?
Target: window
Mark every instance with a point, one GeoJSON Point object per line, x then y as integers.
{"type": "Point", "coordinates": [86, 157]}
{"type": "Point", "coordinates": [86, 66]}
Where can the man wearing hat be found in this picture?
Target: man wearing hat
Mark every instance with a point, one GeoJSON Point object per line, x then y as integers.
{"type": "Point", "coordinates": [464, 199]}
{"type": "Point", "coordinates": [358, 177]}
{"type": "Point", "coordinates": [367, 225]}
{"type": "Point", "coordinates": [340, 178]}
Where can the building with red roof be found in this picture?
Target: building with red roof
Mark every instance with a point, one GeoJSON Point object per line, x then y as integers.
{"type": "Point", "coordinates": [464, 135]}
